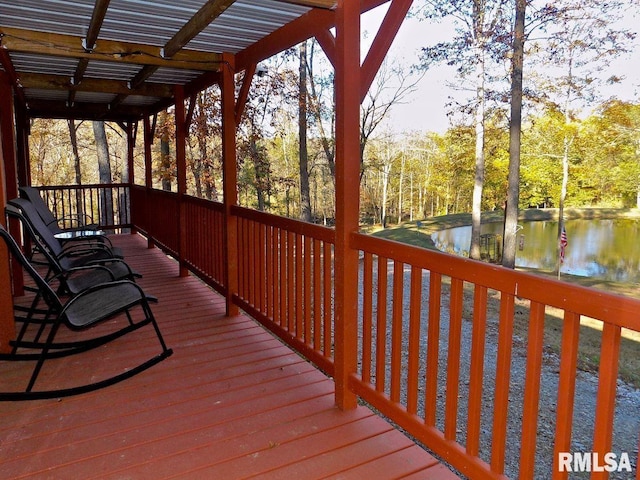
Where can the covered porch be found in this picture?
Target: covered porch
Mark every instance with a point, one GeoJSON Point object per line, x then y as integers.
{"type": "Point", "coordinates": [232, 402]}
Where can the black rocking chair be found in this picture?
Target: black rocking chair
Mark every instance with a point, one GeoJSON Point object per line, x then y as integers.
{"type": "Point", "coordinates": [87, 308]}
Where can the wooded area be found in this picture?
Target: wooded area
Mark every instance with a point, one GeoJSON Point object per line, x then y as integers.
{"type": "Point", "coordinates": [403, 176]}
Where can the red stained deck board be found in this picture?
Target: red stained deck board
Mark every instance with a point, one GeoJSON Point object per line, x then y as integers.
{"type": "Point", "coordinates": [231, 402]}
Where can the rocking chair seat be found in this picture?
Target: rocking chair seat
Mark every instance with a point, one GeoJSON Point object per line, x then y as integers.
{"type": "Point", "coordinates": [92, 305]}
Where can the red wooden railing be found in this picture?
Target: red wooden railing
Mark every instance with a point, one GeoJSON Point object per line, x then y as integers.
{"type": "Point", "coordinates": [421, 346]}
{"type": "Point", "coordinates": [438, 350]}
{"type": "Point", "coordinates": [285, 280]}
{"type": "Point", "coordinates": [90, 203]}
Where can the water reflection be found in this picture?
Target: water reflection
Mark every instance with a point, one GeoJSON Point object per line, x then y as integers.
{"type": "Point", "coordinates": [605, 249]}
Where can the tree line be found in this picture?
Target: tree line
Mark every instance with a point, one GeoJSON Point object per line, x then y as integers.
{"type": "Point", "coordinates": [286, 157]}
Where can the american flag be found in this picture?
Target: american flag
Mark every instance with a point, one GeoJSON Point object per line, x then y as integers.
{"type": "Point", "coordinates": [563, 243]}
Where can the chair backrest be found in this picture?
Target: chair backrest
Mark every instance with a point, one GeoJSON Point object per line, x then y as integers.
{"type": "Point", "coordinates": [45, 289]}
{"type": "Point", "coordinates": [33, 195]}
{"type": "Point", "coordinates": [38, 226]}
{"type": "Point", "coordinates": [14, 212]}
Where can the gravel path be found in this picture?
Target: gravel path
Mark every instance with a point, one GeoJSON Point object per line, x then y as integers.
{"type": "Point", "coordinates": [627, 421]}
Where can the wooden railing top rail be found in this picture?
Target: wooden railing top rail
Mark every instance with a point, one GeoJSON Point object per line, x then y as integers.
{"type": "Point", "coordinates": [601, 305]}
{"type": "Point", "coordinates": [319, 232]}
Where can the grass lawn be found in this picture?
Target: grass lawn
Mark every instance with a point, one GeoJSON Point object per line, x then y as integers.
{"type": "Point", "coordinates": [419, 234]}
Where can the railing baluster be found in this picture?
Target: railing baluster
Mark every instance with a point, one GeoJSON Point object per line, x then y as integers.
{"type": "Point", "coordinates": [307, 290]}
{"type": "Point", "coordinates": [261, 260]}
{"type": "Point", "coordinates": [414, 339]}
{"type": "Point", "coordinates": [299, 327]}
{"type": "Point", "coordinates": [381, 325]}
{"type": "Point", "coordinates": [317, 294]}
{"type": "Point", "coordinates": [453, 359]}
{"type": "Point", "coordinates": [606, 398]}
{"type": "Point", "coordinates": [291, 282]}
{"type": "Point", "coordinates": [476, 371]}
{"type": "Point", "coordinates": [367, 316]}
{"type": "Point", "coordinates": [328, 296]}
{"type": "Point", "coordinates": [503, 378]}
{"type": "Point", "coordinates": [277, 272]}
{"type": "Point", "coordinates": [396, 330]}
{"type": "Point", "coordinates": [282, 319]}
{"type": "Point", "coordinates": [566, 394]}
{"type": "Point", "coordinates": [270, 280]}
{"type": "Point", "coordinates": [433, 348]}
{"type": "Point", "coordinates": [535, 341]}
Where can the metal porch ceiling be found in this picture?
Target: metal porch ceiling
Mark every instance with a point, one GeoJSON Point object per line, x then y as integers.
{"type": "Point", "coordinates": [119, 59]}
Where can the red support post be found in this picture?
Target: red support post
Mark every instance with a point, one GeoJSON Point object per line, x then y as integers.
{"type": "Point", "coordinates": [7, 189]}
{"type": "Point", "coordinates": [131, 174]}
{"type": "Point", "coordinates": [230, 180]}
{"type": "Point", "coordinates": [148, 141]}
{"type": "Point", "coordinates": [347, 81]}
{"type": "Point", "coordinates": [181, 165]}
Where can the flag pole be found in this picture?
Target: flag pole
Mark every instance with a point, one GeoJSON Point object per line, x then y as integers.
{"type": "Point", "coordinates": [562, 244]}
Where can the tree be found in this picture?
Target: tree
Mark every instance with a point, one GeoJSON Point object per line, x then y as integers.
{"type": "Point", "coordinates": [579, 43]}
{"type": "Point", "coordinates": [205, 127]}
{"type": "Point", "coordinates": [305, 195]}
{"type": "Point", "coordinates": [515, 130]}
{"type": "Point", "coordinates": [165, 133]}
{"type": "Point", "coordinates": [104, 169]}
{"type": "Point", "coordinates": [478, 39]}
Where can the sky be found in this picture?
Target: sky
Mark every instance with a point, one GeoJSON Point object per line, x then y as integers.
{"type": "Point", "coordinates": [425, 110]}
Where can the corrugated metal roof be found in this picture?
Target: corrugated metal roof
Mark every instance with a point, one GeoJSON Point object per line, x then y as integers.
{"type": "Point", "coordinates": [111, 70]}
{"type": "Point", "coordinates": [70, 17]}
{"type": "Point", "coordinates": [33, 63]}
{"type": "Point", "coordinates": [141, 29]}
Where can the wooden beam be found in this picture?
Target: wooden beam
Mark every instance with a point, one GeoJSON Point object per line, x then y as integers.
{"type": "Point", "coordinates": [82, 111]}
{"type": "Point", "coordinates": [382, 42]}
{"type": "Point", "coordinates": [244, 92]}
{"type": "Point", "coordinates": [69, 46]}
{"type": "Point", "coordinates": [313, 23]}
{"type": "Point", "coordinates": [203, 17]}
{"type": "Point", "coordinates": [327, 4]}
{"type": "Point", "coordinates": [347, 81]}
{"type": "Point", "coordinates": [7, 65]}
{"type": "Point", "coordinates": [229, 185]}
{"type": "Point", "coordinates": [59, 82]}
{"type": "Point", "coordinates": [99, 12]}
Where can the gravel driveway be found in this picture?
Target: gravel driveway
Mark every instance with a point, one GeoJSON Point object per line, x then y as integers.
{"type": "Point", "coordinates": [627, 420]}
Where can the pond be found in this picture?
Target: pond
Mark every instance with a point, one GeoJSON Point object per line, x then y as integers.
{"type": "Point", "coordinates": [603, 249]}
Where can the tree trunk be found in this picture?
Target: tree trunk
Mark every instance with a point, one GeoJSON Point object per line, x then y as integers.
{"type": "Point", "coordinates": [305, 196]}
{"type": "Point", "coordinates": [565, 167]}
{"type": "Point", "coordinates": [104, 170]}
{"type": "Point", "coordinates": [515, 128]}
{"type": "Point", "coordinates": [73, 136]}
{"type": "Point", "coordinates": [478, 184]}
{"type": "Point", "coordinates": [400, 180]}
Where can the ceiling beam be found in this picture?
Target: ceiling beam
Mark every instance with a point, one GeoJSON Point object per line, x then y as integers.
{"type": "Point", "coordinates": [326, 4]}
{"type": "Point", "coordinates": [118, 87]}
{"type": "Point", "coordinates": [82, 111]}
{"type": "Point", "coordinates": [99, 12]}
{"type": "Point", "coordinates": [203, 17]}
{"type": "Point", "coordinates": [42, 43]}
{"type": "Point", "coordinates": [7, 65]}
{"type": "Point", "coordinates": [294, 32]}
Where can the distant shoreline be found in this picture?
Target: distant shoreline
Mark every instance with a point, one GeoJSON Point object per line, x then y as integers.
{"type": "Point", "coordinates": [419, 233]}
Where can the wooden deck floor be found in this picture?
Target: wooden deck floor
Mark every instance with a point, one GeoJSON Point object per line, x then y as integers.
{"type": "Point", "coordinates": [232, 402]}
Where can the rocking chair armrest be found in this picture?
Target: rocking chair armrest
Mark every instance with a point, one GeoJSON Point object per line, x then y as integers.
{"type": "Point", "coordinates": [85, 268]}
{"type": "Point", "coordinates": [73, 218]}
{"type": "Point", "coordinates": [83, 248]}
